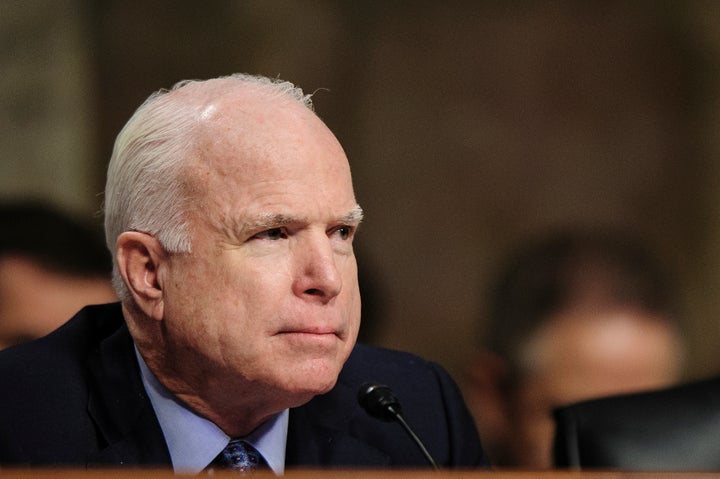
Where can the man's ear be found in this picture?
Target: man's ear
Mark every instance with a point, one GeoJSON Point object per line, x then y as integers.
{"type": "Point", "coordinates": [139, 256]}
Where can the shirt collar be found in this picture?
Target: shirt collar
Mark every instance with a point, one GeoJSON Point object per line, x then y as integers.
{"type": "Point", "coordinates": [193, 441]}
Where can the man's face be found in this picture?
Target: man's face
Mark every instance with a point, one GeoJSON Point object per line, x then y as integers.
{"type": "Point", "coordinates": [267, 301]}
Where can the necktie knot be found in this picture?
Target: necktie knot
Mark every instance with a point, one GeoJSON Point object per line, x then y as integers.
{"type": "Point", "coordinates": [238, 455]}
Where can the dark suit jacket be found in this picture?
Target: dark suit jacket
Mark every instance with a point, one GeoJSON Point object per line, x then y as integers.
{"type": "Point", "coordinates": [76, 398]}
{"type": "Point", "coordinates": [670, 429]}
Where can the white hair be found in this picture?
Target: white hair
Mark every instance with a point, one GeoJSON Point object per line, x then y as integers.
{"type": "Point", "coordinates": [147, 174]}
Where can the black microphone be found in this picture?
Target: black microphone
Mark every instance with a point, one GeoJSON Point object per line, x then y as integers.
{"type": "Point", "coordinates": [380, 402]}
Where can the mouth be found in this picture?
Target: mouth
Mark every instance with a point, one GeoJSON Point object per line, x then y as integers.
{"type": "Point", "coordinates": [321, 334]}
{"type": "Point", "coordinates": [314, 342]}
{"type": "Point", "coordinates": [309, 332]}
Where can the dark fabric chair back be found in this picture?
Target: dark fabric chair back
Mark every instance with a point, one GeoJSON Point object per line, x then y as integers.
{"type": "Point", "coordinates": [672, 429]}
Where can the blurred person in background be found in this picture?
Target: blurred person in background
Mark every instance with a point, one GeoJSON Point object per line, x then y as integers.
{"type": "Point", "coordinates": [576, 315]}
{"type": "Point", "coordinates": [51, 265]}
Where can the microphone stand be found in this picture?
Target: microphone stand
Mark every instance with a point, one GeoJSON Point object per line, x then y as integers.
{"type": "Point", "coordinates": [380, 402]}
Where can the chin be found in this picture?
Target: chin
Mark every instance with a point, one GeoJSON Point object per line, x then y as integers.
{"type": "Point", "coordinates": [309, 383]}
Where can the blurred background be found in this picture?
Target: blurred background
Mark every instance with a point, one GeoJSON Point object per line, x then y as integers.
{"type": "Point", "coordinates": [471, 126]}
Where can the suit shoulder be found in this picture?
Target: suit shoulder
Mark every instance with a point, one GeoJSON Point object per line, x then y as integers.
{"type": "Point", "coordinates": [431, 402]}
{"type": "Point", "coordinates": [676, 410]}
{"type": "Point", "coordinates": [669, 429]}
{"type": "Point", "coordinates": [369, 359]}
{"type": "Point", "coordinates": [61, 351]}
{"type": "Point", "coordinates": [687, 398]}
{"type": "Point", "coordinates": [405, 372]}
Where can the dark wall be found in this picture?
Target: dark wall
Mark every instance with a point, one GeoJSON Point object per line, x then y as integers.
{"type": "Point", "coordinates": [470, 126]}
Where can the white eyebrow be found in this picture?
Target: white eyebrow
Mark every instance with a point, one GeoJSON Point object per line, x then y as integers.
{"type": "Point", "coordinates": [355, 215]}
{"type": "Point", "coordinates": [268, 221]}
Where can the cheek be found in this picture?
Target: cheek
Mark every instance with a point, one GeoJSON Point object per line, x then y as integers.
{"type": "Point", "coordinates": [355, 312]}
{"type": "Point", "coordinates": [253, 287]}
{"type": "Point", "coordinates": [350, 296]}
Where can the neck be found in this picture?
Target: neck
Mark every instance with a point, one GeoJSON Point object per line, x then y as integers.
{"type": "Point", "coordinates": [237, 408]}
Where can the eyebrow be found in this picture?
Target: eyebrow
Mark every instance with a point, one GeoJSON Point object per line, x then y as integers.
{"type": "Point", "coordinates": [355, 215]}
{"type": "Point", "coordinates": [275, 220]}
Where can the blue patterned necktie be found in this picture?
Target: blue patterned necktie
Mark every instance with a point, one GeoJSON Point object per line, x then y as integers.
{"type": "Point", "coordinates": [238, 455]}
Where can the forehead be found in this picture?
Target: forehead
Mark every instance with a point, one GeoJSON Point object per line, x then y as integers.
{"type": "Point", "coordinates": [267, 150]}
{"type": "Point", "coordinates": [249, 128]}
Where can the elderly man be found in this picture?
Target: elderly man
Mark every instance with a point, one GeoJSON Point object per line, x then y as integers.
{"type": "Point", "coordinates": [231, 214]}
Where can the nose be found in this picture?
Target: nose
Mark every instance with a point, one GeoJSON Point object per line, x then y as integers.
{"type": "Point", "coordinates": [319, 278]}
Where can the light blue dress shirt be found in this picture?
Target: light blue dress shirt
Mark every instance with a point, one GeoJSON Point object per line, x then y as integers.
{"type": "Point", "coordinates": [194, 441]}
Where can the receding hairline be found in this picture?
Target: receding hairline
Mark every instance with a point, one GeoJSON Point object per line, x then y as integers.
{"type": "Point", "coordinates": [214, 89]}
{"type": "Point", "coordinates": [216, 98]}
{"type": "Point", "coordinates": [210, 99]}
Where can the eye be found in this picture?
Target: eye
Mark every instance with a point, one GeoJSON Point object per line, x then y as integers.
{"type": "Point", "coordinates": [272, 234]}
{"type": "Point", "coordinates": [343, 232]}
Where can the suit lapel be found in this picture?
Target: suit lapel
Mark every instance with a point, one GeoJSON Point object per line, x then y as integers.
{"type": "Point", "coordinates": [319, 434]}
{"type": "Point", "coordinates": [120, 407]}
{"type": "Point", "coordinates": [311, 444]}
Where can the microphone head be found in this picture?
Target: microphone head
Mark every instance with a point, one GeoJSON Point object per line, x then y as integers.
{"type": "Point", "coordinates": [379, 401]}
